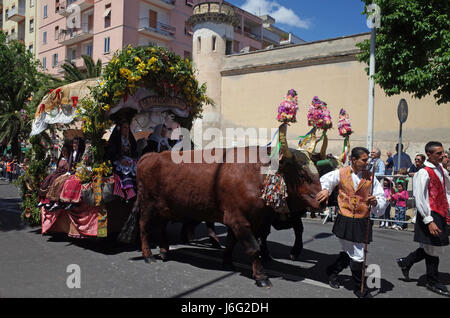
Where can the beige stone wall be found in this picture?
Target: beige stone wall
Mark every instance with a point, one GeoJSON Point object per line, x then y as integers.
{"type": "Point", "coordinates": [254, 84]}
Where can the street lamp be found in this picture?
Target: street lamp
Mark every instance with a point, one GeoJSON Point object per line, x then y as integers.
{"type": "Point", "coordinates": [373, 22]}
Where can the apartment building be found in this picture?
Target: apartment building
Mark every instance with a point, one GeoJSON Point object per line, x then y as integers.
{"type": "Point", "coordinates": [253, 32]}
{"type": "Point", "coordinates": [18, 21]}
{"type": "Point", "coordinates": [72, 28]}
{"type": "Point", "coordinates": [68, 29]}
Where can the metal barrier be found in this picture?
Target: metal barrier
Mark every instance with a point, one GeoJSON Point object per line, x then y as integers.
{"type": "Point", "coordinates": [411, 204]}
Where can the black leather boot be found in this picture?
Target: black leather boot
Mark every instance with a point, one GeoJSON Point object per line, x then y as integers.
{"type": "Point", "coordinates": [338, 266]}
{"type": "Point", "coordinates": [406, 263]}
{"type": "Point", "coordinates": [356, 268]}
{"type": "Point", "coordinates": [433, 284]}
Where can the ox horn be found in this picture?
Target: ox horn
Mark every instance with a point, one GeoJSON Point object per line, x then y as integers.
{"type": "Point", "coordinates": [283, 141]}
{"type": "Point", "coordinates": [323, 150]}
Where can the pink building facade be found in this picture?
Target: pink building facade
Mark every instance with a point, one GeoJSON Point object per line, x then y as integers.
{"type": "Point", "coordinates": [69, 29]}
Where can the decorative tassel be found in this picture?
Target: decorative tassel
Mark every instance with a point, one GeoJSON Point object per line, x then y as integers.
{"type": "Point", "coordinates": [274, 192]}
{"type": "Point", "coordinates": [304, 139]}
{"type": "Point", "coordinates": [58, 93]}
{"type": "Point", "coordinates": [74, 101]}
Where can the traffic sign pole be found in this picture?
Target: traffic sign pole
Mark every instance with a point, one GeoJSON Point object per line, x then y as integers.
{"type": "Point", "coordinates": [402, 113]}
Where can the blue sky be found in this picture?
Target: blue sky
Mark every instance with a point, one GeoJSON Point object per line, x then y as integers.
{"type": "Point", "coordinates": [311, 20]}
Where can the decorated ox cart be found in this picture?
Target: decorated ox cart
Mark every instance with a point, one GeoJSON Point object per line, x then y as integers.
{"type": "Point", "coordinates": [141, 87]}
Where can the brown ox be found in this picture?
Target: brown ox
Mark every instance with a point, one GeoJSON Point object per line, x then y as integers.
{"type": "Point", "coordinates": [228, 193]}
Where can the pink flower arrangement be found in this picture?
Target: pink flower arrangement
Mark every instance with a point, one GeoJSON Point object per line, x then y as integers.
{"type": "Point", "coordinates": [319, 115]}
{"type": "Point", "coordinates": [287, 110]}
{"type": "Point", "coordinates": [344, 126]}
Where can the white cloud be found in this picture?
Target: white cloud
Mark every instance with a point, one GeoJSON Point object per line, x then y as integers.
{"type": "Point", "coordinates": [281, 14]}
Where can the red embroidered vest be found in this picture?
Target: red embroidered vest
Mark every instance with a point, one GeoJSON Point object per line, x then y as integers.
{"type": "Point", "coordinates": [353, 203]}
{"type": "Point", "coordinates": [437, 193]}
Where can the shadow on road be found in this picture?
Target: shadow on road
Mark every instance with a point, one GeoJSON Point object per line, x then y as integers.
{"type": "Point", "coordinates": [10, 219]}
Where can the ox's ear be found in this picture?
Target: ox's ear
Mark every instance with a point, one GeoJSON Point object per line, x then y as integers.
{"type": "Point", "coordinates": [287, 154]}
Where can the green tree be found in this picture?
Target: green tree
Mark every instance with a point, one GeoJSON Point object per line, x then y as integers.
{"type": "Point", "coordinates": [74, 74]}
{"type": "Point", "coordinates": [19, 78]}
{"type": "Point", "coordinates": [412, 48]}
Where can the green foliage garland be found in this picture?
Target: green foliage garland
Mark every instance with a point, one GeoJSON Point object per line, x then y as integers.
{"type": "Point", "coordinates": [156, 69]}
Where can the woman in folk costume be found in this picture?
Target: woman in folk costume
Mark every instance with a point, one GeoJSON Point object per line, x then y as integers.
{"type": "Point", "coordinates": [158, 140]}
{"type": "Point", "coordinates": [71, 191]}
{"type": "Point", "coordinates": [122, 153]}
{"type": "Point", "coordinates": [431, 187]}
{"type": "Point", "coordinates": [356, 203]}
{"type": "Point", "coordinates": [54, 192]}
{"type": "Point", "coordinates": [62, 166]}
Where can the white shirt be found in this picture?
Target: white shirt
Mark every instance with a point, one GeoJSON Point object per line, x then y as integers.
{"type": "Point", "coordinates": [420, 189]}
{"type": "Point", "coordinates": [330, 180]}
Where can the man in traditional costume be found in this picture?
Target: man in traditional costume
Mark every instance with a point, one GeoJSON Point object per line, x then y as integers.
{"type": "Point", "coordinates": [431, 186]}
{"type": "Point", "coordinates": [360, 194]}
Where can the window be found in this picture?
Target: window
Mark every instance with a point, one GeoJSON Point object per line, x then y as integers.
{"type": "Point", "coordinates": [187, 29]}
{"type": "Point", "coordinates": [72, 53]}
{"type": "Point", "coordinates": [89, 49]}
{"type": "Point", "coordinates": [31, 25]}
{"type": "Point", "coordinates": [56, 6]}
{"type": "Point", "coordinates": [55, 60]}
{"type": "Point", "coordinates": [31, 3]}
{"type": "Point", "coordinates": [107, 45]}
{"type": "Point", "coordinates": [56, 32]}
{"type": "Point", "coordinates": [44, 63]}
{"type": "Point", "coordinates": [214, 43]}
{"type": "Point", "coordinates": [199, 44]}
{"type": "Point", "coordinates": [228, 47]}
{"type": "Point", "coordinates": [30, 48]}
{"type": "Point", "coordinates": [236, 46]}
{"type": "Point", "coordinates": [153, 18]}
{"type": "Point", "coordinates": [6, 13]}
{"type": "Point", "coordinates": [45, 11]}
{"type": "Point", "coordinates": [107, 15]}
{"type": "Point", "coordinates": [44, 38]}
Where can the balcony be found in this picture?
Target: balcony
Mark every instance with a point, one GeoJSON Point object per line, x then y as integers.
{"type": "Point", "coordinates": [72, 36]}
{"type": "Point", "coordinates": [83, 4]}
{"type": "Point", "coordinates": [78, 62]}
{"type": "Point", "coordinates": [16, 14]}
{"type": "Point", "coordinates": [161, 31]}
{"type": "Point", "coordinates": [16, 37]}
{"type": "Point", "coordinates": [252, 36]}
{"type": "Point", "coordinates": [166, 4]}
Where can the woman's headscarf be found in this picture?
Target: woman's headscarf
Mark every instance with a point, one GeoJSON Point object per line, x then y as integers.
{"type": "Point", "coordinates": [80, 152]}
{"type": "Point", "coordinates": [160, 140]}
{"type": "Point", "coordinates": [114, 149]}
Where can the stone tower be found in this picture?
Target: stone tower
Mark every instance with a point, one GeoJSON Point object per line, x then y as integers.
{"type": "Point", "coordinates": [213, 25]}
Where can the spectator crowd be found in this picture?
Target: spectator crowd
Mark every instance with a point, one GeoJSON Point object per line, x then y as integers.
{"type": "Point", "coordinates": [396, 178]}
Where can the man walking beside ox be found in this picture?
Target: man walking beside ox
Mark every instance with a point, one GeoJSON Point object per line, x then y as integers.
{"type": "Point", "coordinates": [431, 186]}
{"type": "Point", "coordinates": [357, 199]}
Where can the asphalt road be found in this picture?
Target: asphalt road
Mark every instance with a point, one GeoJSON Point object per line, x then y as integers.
{"type": "Point", "coordinates": [35, 265]}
